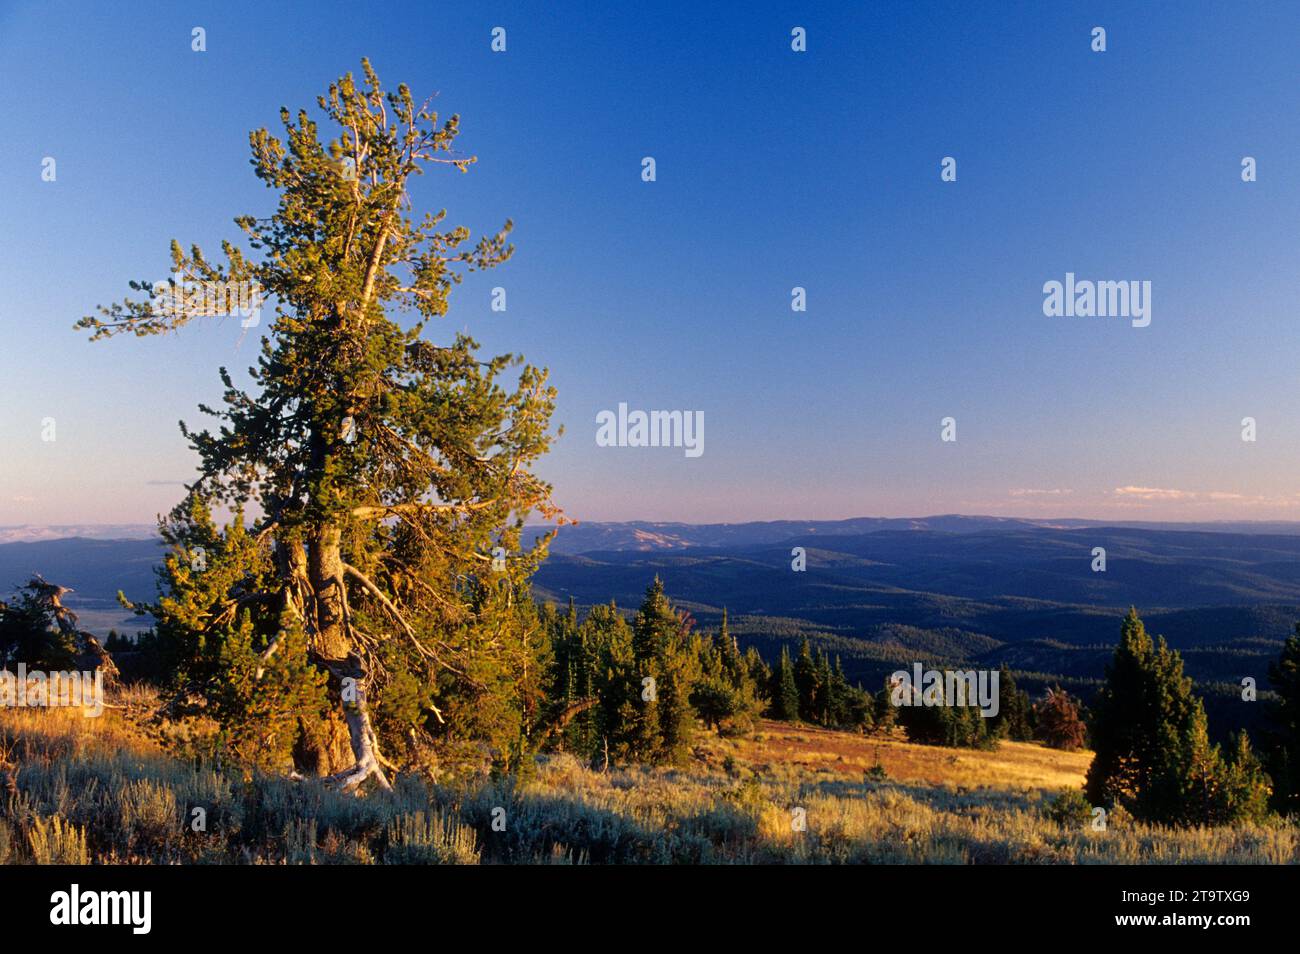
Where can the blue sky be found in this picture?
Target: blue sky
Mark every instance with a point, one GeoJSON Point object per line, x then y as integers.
{"type": "Point", "coordinates": [775, 169]}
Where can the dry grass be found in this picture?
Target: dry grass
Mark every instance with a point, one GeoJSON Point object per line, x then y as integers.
{"type": "Point", "coordinates": [75, 789]}
{"type": "Point", "coordinates": [813, 751]}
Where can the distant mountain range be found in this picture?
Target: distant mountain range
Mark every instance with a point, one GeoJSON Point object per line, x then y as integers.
{"type": "Point", "coordinates": [647, 535]}
{"type": "Point", "coordinates": [876, 591]}
{"type": "Point", "coordinates": [32, 533]}
{"type": "Point", "coordinates": [651, 535]}
{"type": "Point", "coordinates": [1006, 579]}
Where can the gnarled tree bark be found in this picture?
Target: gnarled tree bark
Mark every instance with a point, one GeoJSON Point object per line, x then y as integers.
{"type": "Point", "coordinates": [343, 747]}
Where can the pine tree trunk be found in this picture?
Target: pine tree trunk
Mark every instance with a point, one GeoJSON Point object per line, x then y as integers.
{"type": "Point", "coordinates": [314, 576]}
{"type": "Point", "coordinates": [343, 746]}
{"type": "Point", "coordinates": [324, 746]}
{"type": "Point", "coordinates": [325, 571]}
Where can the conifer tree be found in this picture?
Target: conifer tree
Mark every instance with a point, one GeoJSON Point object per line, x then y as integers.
{"type": "Point", "coordinates": [805, 678]}
{"type": "Point", "coordinates": [784, 691]}
{"type": "Point", "coordinates": [759, 671]}
{"type": "Point", "coordinates": [886, 713]}
{"type": "Point", "coordinates": [1247, 788]}
{"type": "Point", "coordinates": [30, 634]}
{"type": "Point", "coordinates": [1138, 716]}
{"type": "Point", "coordinates": [569, 689]}
{"type": "Point", "coordinates": [625, 728]}
{"type": "Point", "coordinates": [1203, 788]}
{"type": "Point", "coordinates": [661, 642]}
{"type": "Point", "coordinates": [1013, 720]}
{"type": "Point", "coordinates": [824, 703]}
{"type": "Point", "coordinates": [712, 696]}
{"type": "Point", "coordinates": [841, 696]}
{"type": "Point", "coordinates": [860, 706]}
{"type": "Point", "coordinates": [390, 476]}
{"type": "Point", "coordinates": [1284, 758]}
{"type": "Point", "coordinates": [1154, 756]}
{"type": "Point", "coordinates": [725, 695]}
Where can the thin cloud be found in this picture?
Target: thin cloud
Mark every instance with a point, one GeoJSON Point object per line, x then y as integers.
{"type": "Point", "coordinates": [1132, 496]}
{"type": "Point", "coordinates": [1154, 493]}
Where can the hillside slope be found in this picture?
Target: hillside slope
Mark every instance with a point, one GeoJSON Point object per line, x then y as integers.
{"type": "Point", "coordinates": [824, 752]}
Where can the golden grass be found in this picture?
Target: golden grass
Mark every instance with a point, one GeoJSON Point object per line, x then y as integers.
{"type": "Point", "coordinates": [779, 746]}
{"type": "Point", "coordinates": [68, 732]}
{"type": "Point", "coordinates": [100, 789]}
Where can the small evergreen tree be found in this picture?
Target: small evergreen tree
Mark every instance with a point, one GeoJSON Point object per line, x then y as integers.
{"type": "Point", "coordinates": [1284, 728]}
{"type": "Point", "coordinates": [259, 700]}
{"type": "Point", "coordinates": [759, 671]}
{"type": "Point", "coordinates": [1014, 718]}
{"type": "Point", "coordinates": [625, 727]}
{"type": "Point", "coordinates": [886, 713]}
{"type": "Point", "coordinates": [785, 691]}
{"type": "Point", "coordinates": [725, 696]}
{"type": "Point", "coordinates": [825, 702]}
{"type": "Point", "coordinates": [805, 679]}
{"type": "Point", "coordinates": [1247, 788]}
{"type": "Point", "coordinates": [1154, 756]}
{"type": "Point", "coordinates": [661, 643]}
{"type": "Point", "coordinates": [1139, 715]}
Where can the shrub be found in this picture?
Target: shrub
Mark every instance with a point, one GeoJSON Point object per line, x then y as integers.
{"type": "Point", "coordinates": [148, 814]}
{"type": "Point", "coordinates": [1070, 809]}
{"type": "Point", "coordinates": [420, 839]}
{"type": "Point", "coordinates": [1058, 721]}
{"type": "Point", "coordinates": [57, 842]}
